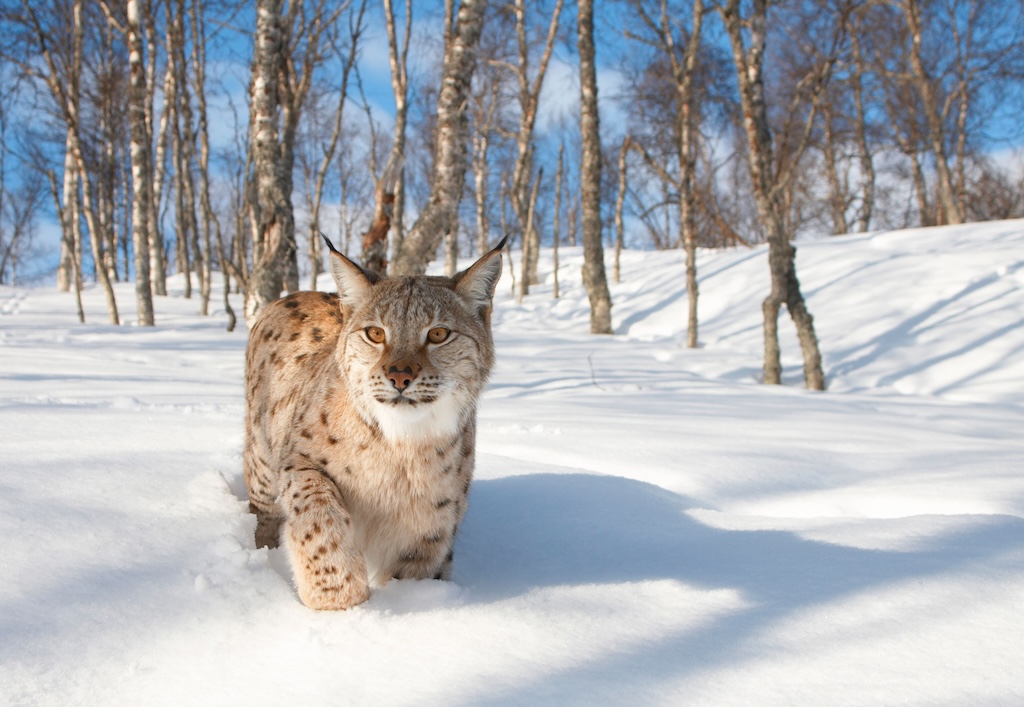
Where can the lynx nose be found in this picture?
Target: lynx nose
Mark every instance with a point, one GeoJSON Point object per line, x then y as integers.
{"type": "Point", "coordinates": [401, 378]}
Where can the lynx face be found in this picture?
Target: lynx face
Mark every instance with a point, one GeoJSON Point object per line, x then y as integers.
{"type": "Point", "coordinates": [415, 356]}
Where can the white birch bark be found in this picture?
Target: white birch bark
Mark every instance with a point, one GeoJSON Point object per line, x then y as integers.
{"type": "Point", "coordinates": [420, 244]}
{"type": "Point", "coordinates": [594, 277]}
{"type": "Point", "coordinates": [748, 55]}
{"type": "Point", "coordinates": [275, 218]}
{"type": "Point", "coordinates": [140, 160]}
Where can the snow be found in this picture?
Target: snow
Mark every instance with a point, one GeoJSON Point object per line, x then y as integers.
{"type": "Point", "coordinates": [648, 524]}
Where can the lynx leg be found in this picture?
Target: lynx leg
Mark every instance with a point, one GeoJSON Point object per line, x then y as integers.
{"type": "Point", "coordinates": [431, 560]}
{"type": "Point", "coordinates": [329, 570]}
{"type": "Point", "coordinates": [268, 526]}
{"type": "Point", "coordinates": [261, 501]}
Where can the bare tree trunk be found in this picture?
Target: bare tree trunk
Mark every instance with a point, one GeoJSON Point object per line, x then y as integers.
{"type": "Point", "coordinates": [103, 173]}
{"type": "Point", "coordinates": [685, 72]}
{"type": "Point", "coordinates": [594, 277]}
{"type": "Point", "coordinates": [157, 262]}
{"type": "Point", "coordinates": [178, 137]}
{"type": "Point", "coordinates": [398, 54]}
{"type": "Point", "coordinates": [533, 255]}
{"type": "Point", "coordinates": [572, 217]}
{"type": "Point", "coordinates": [96, 237]}
{"type": "Point", "coordinates": [63, 211]}
{"type": "Point", "coordinates": [225, 267]}
{"type": "Point", "coordinates": [302, 30]}
{"type": "Point", "coordinates": [929, 105]}
{"type": "Point", "coordinates": [555, 226]}
{"type": "Point", "coordinates": [924, 210]}
{"type": "Point", "coordinates": [67, 269]}
{"type": "Point", "coordinates": [682, 55]}
{"type": "Point", "coordinates": [208, 217]}
{"type": "Point", "coordinates": [420, 245]}
{"type": "Point", "coordinates": [66, 90]}
{"type": "Point", "coordinates": [140, 158]}
{"type": "Point", "coordinates": [785, 287]}
{"type": "Point", "coordinates": [315, 196]}
{"type": "Point", "coordinates": [688, 223]}
{"type": "Point", "coordinates": [248, 218]}
{"type": "Point", "coordinates": [485, 111]}
{"type": "Point", "coordinates": [620, 200]}
{"type": "Point", "coordinates": [529, 98]}
{"type": "Point", "coordinates": [530, 253]}
{"type": "Point", "coordinates": [961, 144]}
{"type": "Point", "coordinates": [529, 246]}
{"type": "Point", "coordinates": [503, 199]}
{"type": "Point", "coordinates": [125, 225]}
{"type": "Point", "coordinates": [275, 211]}
{"type": "Point", "coordinates": [375, 240]}
{"type": "Point", "coordinates": [837, 194]}
{"type": "Point", "coordinates": [481, 143]}
{"type": "Point", "coordinates": [298, 29]}
{"type": "Point", "coordinates": [157, 282]}
{"type": "Point", "coordinates": [867, 165]}
{"type": "Point", "coordinates": [188, 156]}
{"type": "Point", "coordinates": [451, 250]}
{"type": "Point", "coordinates": [180, 218]}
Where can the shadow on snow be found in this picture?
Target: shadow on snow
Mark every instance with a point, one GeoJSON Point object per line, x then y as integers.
{"type": "Point", "coordinates": [544, 530]}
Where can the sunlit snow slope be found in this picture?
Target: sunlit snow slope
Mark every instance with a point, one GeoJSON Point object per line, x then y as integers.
{"type": "Point", "coordinates": [649, 524]}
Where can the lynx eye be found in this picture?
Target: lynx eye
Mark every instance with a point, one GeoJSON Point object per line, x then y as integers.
{"type": "Point", "coordinates": [438, 335]}
{"type": "Point", "coordinates": [375, 334]}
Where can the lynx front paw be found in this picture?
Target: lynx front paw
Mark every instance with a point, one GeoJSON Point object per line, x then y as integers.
{"type": "Point", "coordinates": [334, 591]}
{"type": "Point", "coordinates": [330, 573]}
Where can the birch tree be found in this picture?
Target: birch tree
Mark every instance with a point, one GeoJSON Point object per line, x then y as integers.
{"type": "Point", "coordinates": [136, 12]}
{"type": "Point", "coordinates": [449, 172]}
{"type": "Point", "coordinates": [485, 108]}
{"type": "Point", "coordinates": [926, 89]}
{"type": "Point", "coordinates": [275, 221]}
{"type": "Point", "coordinates": [556, 221]}
{"type": "Point", "coordinates": [398, 60]}
{"type": "Point", "coordinates": [316, 175]}
{"type": "Point", "coordinates": [858, 72]}
{"type": "Point", "coordinates": [63, 77]}
{"type": "Point", "coordinates": [747, 37]}
{"type": "Point", "coordinates": [202, 133]}
{"type": "Point", "coordinates": [157, 267]}
{"type": "Point", "coordinates": [676, 35]}
{"type": "Point", "coordinates": [594, 277]}
{"type": "Point", "coordinates": [528, 95]}
{"type": "Point", "coordinates": [288, 50]}
{"type": "Point", "coordinates": [620, 200]}
{"type": "Point", "coordinates": [140, 156]}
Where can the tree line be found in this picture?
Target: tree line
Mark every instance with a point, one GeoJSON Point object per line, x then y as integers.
{"type": "Point", "coordinates": [723, 123]}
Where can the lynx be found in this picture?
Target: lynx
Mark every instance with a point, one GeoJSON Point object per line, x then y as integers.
{"type": "Point", "coordinates": [360, 430]}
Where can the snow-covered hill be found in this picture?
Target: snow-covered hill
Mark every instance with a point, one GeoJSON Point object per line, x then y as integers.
{"type": "Point", "coordinates": [649, 525]}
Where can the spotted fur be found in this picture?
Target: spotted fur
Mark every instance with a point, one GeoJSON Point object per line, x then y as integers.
{"type": "Point", "coordinates": [359, 453]}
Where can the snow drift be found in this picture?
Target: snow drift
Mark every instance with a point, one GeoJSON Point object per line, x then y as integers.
{"type": "Point", "coordinates": [649, 525]}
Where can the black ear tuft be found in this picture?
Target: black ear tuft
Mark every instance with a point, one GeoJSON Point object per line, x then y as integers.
{"type": "Point", "coordinates": [329, 244]}
{"type": "Point", "coordinates": [477, 282]}
{"type": "Point", "coordinates": [353, 282]}
{"type": "Point", "coordinates": [373, 277]}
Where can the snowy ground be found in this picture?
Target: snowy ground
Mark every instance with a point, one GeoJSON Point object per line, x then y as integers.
{"type": "Point", "coordinates": [649, 525]}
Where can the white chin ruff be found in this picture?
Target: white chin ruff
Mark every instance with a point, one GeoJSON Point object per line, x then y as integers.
{"type": "Point", "coordinates": [404, 422]}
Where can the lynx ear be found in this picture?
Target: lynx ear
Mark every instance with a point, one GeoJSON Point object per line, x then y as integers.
{"type": "Point", "coordinates": [353, 282]}
{"type": "Point", "coordinates": [477, 283]}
